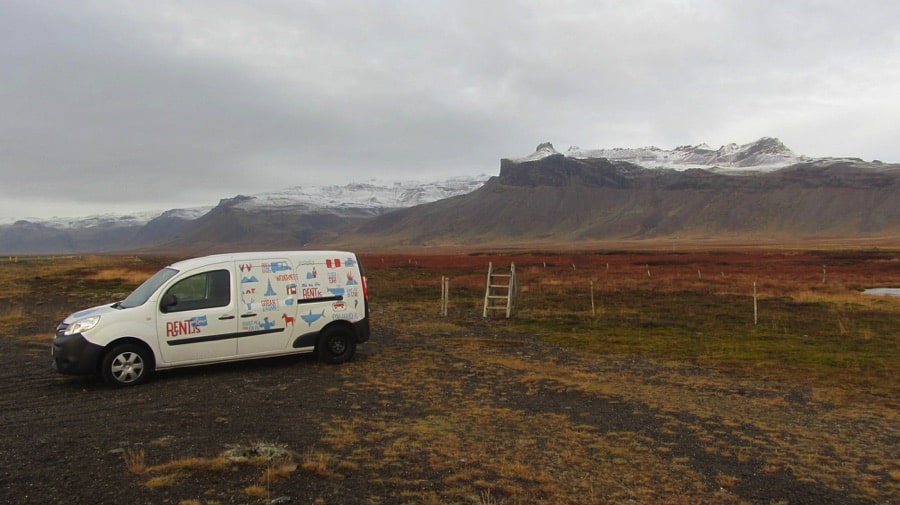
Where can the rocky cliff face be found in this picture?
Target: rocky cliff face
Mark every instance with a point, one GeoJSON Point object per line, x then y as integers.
{"type": "Point", "coordinates": [558, 170]}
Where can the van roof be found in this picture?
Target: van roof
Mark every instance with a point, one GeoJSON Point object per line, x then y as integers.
{"type": "Point", "coordinates": [187, 264]}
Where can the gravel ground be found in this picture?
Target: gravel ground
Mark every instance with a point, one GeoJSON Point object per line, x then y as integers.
{"type": "Point", "coordinates": [467, 415]}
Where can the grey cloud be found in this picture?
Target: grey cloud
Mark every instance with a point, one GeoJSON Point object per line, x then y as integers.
{"type": "Point", "coordinates": [125, 104]}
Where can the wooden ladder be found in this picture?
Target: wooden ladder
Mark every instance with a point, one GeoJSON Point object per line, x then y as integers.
{"type": "Point", "coordinates": [501, 291]}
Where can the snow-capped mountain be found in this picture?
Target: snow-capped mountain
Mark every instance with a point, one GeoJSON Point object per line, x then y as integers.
{"type": "Point", "coordinates": [373, 193]}
{"type": "Point", "coordinates": [583, 194]}
{"type": "Point", "coordinates": [765, 154]}
{"type": "Point", "coordinates": [368, 194]}
{"type": "Point", "coordinates": [757, 193]}
{"type": "Point", "coordinates": [114, 220]}
{"type": "Point", "coordinates": [116, 232]}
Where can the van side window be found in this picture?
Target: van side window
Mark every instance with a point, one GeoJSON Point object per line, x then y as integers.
{"type": "Point", "coordinates": [201, 291]}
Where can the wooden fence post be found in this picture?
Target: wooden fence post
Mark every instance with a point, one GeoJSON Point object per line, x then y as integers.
{"type": "Point", "coordinates": [593, 309]}
{"type": "Point", "coordinates": [445, 295]}
{"type": "Point", "coordinates": [755, 305]}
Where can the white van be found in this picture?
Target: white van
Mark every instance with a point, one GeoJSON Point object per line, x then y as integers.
{"type": "Point", "coordinates": [218, 308]}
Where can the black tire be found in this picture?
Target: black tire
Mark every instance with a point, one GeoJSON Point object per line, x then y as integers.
{"type": "Point", "coordinates": [127, 365]}
{"type": "Point", "coordinates": [337, 344]}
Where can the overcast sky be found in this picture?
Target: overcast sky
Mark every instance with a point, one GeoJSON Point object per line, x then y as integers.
{"type": "Point", "coordinates": [120, 106]}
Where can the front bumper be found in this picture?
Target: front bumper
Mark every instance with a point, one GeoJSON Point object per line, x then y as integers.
{"type": "Point", "coordinates": [74, 355]}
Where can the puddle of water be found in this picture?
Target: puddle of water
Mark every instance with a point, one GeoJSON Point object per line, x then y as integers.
{"type": "Point", "coordinates": [883, 291]}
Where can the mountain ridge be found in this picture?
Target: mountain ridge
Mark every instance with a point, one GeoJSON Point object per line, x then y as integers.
{"type": "Point", "coordinates": [551, 197]}
{"type": "Point", "coordinates": [313, 208]}
{"type": "Point", "coordinates": [756, 190]}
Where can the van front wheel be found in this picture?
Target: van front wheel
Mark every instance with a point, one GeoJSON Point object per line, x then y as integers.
{"type": "Point", "coordinates": [126, 365]}
{"type": "Point", "coordinates": [336, 345]}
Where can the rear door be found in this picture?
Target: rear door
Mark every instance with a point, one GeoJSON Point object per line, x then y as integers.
{"type": "Point", "coordinates": [201, 324]}
{"type": "Point", "coordinates": [322, 293]}
{"type": "Point", "coordinates": [268, 291]}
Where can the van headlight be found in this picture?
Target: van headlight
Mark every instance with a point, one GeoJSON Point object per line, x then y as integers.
{"type": "Point", "coordinates": [82, 325]}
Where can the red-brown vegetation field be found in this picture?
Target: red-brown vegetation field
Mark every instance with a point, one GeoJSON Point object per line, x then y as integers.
{"type": "Point", "coordinates": [733, 376]}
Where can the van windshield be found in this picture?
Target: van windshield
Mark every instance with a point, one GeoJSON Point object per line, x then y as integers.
{"type": "Point", "coordinates": [140, 295]}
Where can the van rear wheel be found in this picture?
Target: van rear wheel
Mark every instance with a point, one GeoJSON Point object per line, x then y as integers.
{"type": "Point", "coordinates": [126, 365]}
{"type": "Point", "coordinates": [337, 344]}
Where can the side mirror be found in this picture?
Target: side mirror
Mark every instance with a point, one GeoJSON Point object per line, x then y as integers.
{"type": "Point", "coordinates": [169, 300]}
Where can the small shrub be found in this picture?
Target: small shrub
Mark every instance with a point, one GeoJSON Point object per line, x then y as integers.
{"type": "Point", "coordinates": [317, 463]}
{"type": "Point", "coordinates": [256, 491]}
{"type": "Point", "coordinates": [277, 471]}
{"type": "Point", "coordinates": [166, 480]}
{"type": "Point", "coordinates": [134, 461]}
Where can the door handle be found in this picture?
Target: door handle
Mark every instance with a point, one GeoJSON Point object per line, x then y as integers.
{"type": "Point", "coordinates": [226, 317]}
{"type": "Point", "coordinates": [249, 314]}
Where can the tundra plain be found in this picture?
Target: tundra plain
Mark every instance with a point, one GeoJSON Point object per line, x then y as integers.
{"type": "Point", "coordinates": [736, 376]}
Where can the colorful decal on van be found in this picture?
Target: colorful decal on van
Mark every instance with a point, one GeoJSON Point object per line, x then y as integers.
{"type": "Point", "coordinates": [269, 304]}
{"type": "Point", "coordinates": [275, 267]}
{"type": "Point", "coordinates": [310, 291]}
{"type": "Point", "coordinates": [311, 318]}
{"type": "Point", "coordinates": [186, 327]}
{"type": "Point", "coordinates": [265, 324]}
{"type": "Point", "coordinates": [277, 287]}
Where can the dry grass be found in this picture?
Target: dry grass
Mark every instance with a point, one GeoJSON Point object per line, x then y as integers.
{"type": "Point", "coordinates": [275, 461]}
{"type": "Point", "coordinates": [277, 471]}
{"type": "Point", "coordinates": [500, 450]}
{"type": "Point", "coordinates": [318, 463]}
{"type": "Point", "coordinates": [39, 338]}
{"type": "Point", "coordinates": [713, 376]}
{"type": "Point", "coordinates": [165, 480]}
{"type": "Point", "coordinates": [134, 460]}
{"type": "Point", "coordinates": [256, 491]}
{"type": "Point", "coordinates": [124, 275]}
{"type": "Point", "coordinates": [191, 464]}
{"type": "Point", "coordinates": [670, 358]}
{"type": "Point", "coordinates": [11, 317]}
